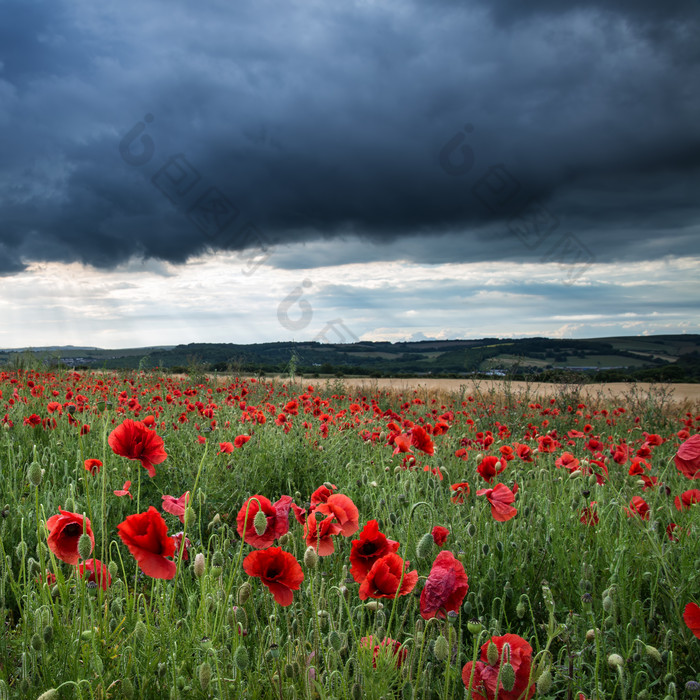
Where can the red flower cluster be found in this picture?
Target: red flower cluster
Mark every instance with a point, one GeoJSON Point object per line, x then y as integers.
{"type": "Point", "coordinates": [276, 514]}
{"type": "Point", "coordinates": [482, 678]}
{"type": "Point", "coordinates": [369, 548]}
{"type": "Point", "coordinates": [388, 578]}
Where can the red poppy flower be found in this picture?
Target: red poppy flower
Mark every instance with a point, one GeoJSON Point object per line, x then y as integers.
{"type": "Point", "coordinates": [225, 448]}
{"type": "Point", "coordinates": [97, 571]}
{"type": "Point", "coordinates": [320, 537]}
{"type": "Point", "coordinates": [321, 494]}
{"type": "Point", "coordinates": [134, 440]}
{"type": "Point", "coordinates": [344, 510]}
{"type": "Point", "coordinates": [500, 497]}
{"type": "Point", "coordinates": [483, 684]}
{"type": "Point", "coordinates": [524, 452]}
{"type": "Point", "coordinates": [402, 443]}
{"type": "Point", "coordinates": [176, 506]}
{"type": "Point", "coordinates": [445, 588]}
{"type": "Point", "coordinates": [64, 532]}
{"type": "Point", "coordinates": [277, 515]}
{"type": "Point", "coordinates": [93, 466]}
{"type": "Point", "coordinates": [687, 498]}
{"type": "Point", "coordinates": [388, 646]}
{"type": "Point", "coordinates": [638, 506]}
{"type": "Point", "coordinates": [638, 466]}
{"type": "Point", "coordinates": [177, 537]}
{"type": "Point", "coordinates": [691, 617]}
{"type": "Point", "coordinates": [490, 466]}
{"type": "Point", "coordinates": [278, 570]}
{"type": "Point", "coordinates": [420, 439]}
{"type": "Point", "coordinates": [124, 490]}
{"type": "Point", "coordinates": [589, 515]}
{"type": "Point", "coordinates": [460, 491]}
{"type": "Point", "coordinates": [240, 440]}
{"type": "Point", "coordinates": [371, 546]}
{"type": "Point", "coordinates": [146, 537]}
{"type": "Point", "coordinates": [382, 580]}
{"type": "Point", "coordinates": [687, 458]}
{"type": "Point", "coordinates": [440, 534]}
{"type": "Point", "coordinates": [568, 461]}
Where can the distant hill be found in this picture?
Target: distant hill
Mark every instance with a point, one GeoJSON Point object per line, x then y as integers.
{"type": "Point", "coordinates": [650, 358]}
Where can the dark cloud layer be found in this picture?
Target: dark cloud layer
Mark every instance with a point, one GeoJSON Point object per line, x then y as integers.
{"type": "Point", "coordinates": [319, 121]}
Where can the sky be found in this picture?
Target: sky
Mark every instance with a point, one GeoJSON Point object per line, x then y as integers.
{"type": "Point", "coordinates": [303, 170]}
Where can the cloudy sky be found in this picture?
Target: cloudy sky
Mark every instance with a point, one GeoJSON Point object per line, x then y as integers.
{"type": "Point", "coordinates": [261, 170]}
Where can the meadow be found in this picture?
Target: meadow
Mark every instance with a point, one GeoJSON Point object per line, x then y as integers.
{"type": "Point", "coordinates": [175, 537]}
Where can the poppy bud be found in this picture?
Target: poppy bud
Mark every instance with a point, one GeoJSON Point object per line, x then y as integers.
{"type": "Point", "coordinates": [653, 652]}
{"type": "Point", "coordinates": [615, 660]}
{"type": "Point", "coordinates": [335, 641]}
{"type": "Point", "coordinates": [492, 654]}
{"type": "Point", "coordinates": [607, 603]}
{"type": "Point", "coordinates": [520, 610]}
{"type": "Point", "coordinates": [70, 505]}
{"type": "Point", "coordinates": [544, 682]}
{"type": "Point", "coordinates": [508, 677]}
{"type": "Point", "coordinates": [36, 642]}
{"type": "Point", "coordinates": [84, 546]}
{"type": "Point", "coordinates": [471, 529]}
{"type": "Point", "coordinates": [140, 631]}
{"type": "Point", "coordinates": [260, 523]}
{"type": "Point", "coordinates": [425, 546]}
{"type": "Point", "coordinates": [441, 648]}
{"type": "Point", "coordinates": [48, 695]}
{"type": "Point", "coordinates": [21, 550]}
{"type": "Point", "coordinates": [216, 520]}
{"type": "Point", "coordinates": [204, 676]}
{"type": "Point", "coordinates": [407, 691]}
{"type": "Point", "coordinates": [48, 634]}
{"type": "Point", "coordinates": [240, 658]}
{"type": "Point", "coordinates": [244, 592]}
{"type": "Point", "coordinates": [548, 598]}
{"type": "Point", "coordinates": [113, 569]}
{"type": "Point", "coordinates": [310, 558]}
{"type": "Point", "coordinates": [189, 516]}
{"type": "Point", "coordinates": [374, 605]}
{"type": "Point", "coordinates": [505, 653]}
{"type": "Point", "coordinates": [199, 565]}
{"type": "Point", "coordinates": [35, 473]}
{"type": "Point", "coordinates": [285, 539]}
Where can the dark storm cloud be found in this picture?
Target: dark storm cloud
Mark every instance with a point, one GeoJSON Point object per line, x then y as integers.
{"type": "Point", "coordinates": [318, 121]}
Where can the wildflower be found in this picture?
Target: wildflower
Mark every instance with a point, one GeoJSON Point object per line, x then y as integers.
{"type": "Point", "coordinates": [277, 516]}
{"type": "Point", "coordinates": [440, 534]}
{"type": "Point", "coordinates": [388, 646]}
{"type": "Point", "coordinates": [176, 506]}
{"type": "Point", "coordinates": [278, 570]}
{"type": "Point", "coordinates": [97, 570]}
{"type": "Point", "coordinates": [485, 674]}
{"type": "Point", "coordinates": [93, 466]}
{"type": "Point", "coordinates": [133, 440]}
{"type": "Point", "coordinates": [691, 617]}
{"type": "Point", "coordinates": [320, 536]}
{"type": "Point", "coordinates": [687, 459]}
{"type": "Point", "coordinates": [345, 512]}
{"type": "Point", "coordinates": [382, 580]}
{"type": "Point", "coordinates": [65, 530]}
{"type": "Point", "coordinates": [687, 499]}
{"type": "Point", "coordinates": [146, 537]}
{"type": "Point", "coordinates": [500, 497]}
{"type": "Point", "coordinates": [124, 490]}
{"type": "Point", "coordinates": [460, 491]}
{"type": "Point", "coordinates": [371, 546]}
{"type": "Point", "coordinates": [445, 588]}
{"type": "Point", "coordinates": [638, 506]}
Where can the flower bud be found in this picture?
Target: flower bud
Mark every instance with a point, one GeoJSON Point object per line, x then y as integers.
{"type": "Point", "coordinates": [48, 634]}
{"type": "Point", "coordinates": [335, 641]}
{"type": "Point", "coordinates": [204, 676]}
{"type": "Point", "coordinates": [240, 658]}
{"type": "Point", "coordinates": [615, 660]}
{"type": "Point", "coordinates": [544, 682]}
{"type": "Point", "coordinates": [199, 565]}
{"type": "Point", "coordinates": [425, 546]}
{"type": "Point", "coordinates": [36, 642]}
{"type": "Point", "coordinates": [521, 609]}
{"type": "Point", "coordinates": [84, 546]}
{"type": "Point", "coordinates": [310, 558]}
{"type": "Point", "coordinates": [189, 516]}
{"type": "Point", "coordinates": [508, 677]}
{"type": "Point", "coordinates": [35, 473]}
{"type": "Point", "coordinates": [374, 605]}
{"type": "Point", "coordinates": [140, 631]}
{"type": "Point", "coordinates": [653, 652]}
{"type": "Point", "coordinates": [244, 592]}
{"type": "Point", "coordinates": [441, 648]}
{"type": "Point", "coordinates": [113, 569]}
{"type": "Point", "coordinates": [492, 654]}
{"type": "Point", "coordinates": [260, 523]}
{"type": "Point", "coordinates": [50, 694]}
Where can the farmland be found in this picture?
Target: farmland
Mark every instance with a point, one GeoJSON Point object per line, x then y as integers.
{"type": "Point", "coordinates": [175, 536]}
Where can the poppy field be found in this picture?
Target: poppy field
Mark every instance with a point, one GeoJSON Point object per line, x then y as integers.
{"type": "Point", "coordinates": [243, 538]}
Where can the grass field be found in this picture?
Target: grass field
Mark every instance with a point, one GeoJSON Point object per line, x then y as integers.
{"type": "Point", "coordinates": [324, 532]}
